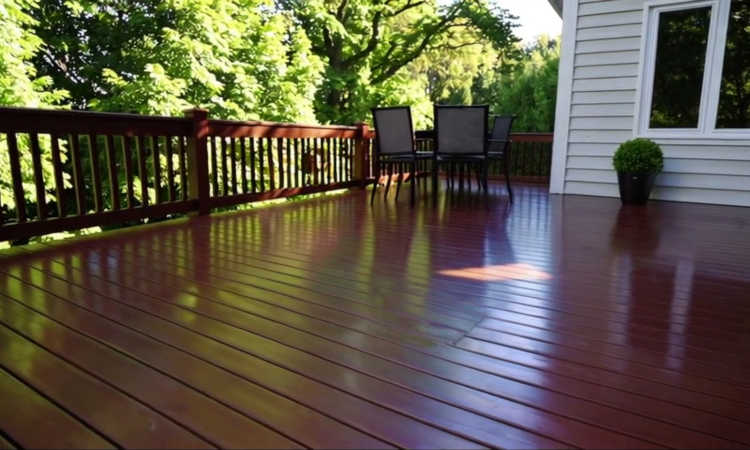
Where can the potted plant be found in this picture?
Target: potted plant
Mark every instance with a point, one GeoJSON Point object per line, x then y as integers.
{"type": "Point", "coordinates": [637, 163]}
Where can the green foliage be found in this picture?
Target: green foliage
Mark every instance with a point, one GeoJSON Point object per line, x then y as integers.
{"type": "Point", "coordinates": [639, 156]}
{"type": "Point", "coordinates": [281, 60]}
{"type": "Point", "coordinates": [366, 44]}
{"type": "Point", "coordinates": [237, 58]}
{"type": "Point", "coordinates": [526, 87]}
{"type": "Point", "coordinates": [20, 86]}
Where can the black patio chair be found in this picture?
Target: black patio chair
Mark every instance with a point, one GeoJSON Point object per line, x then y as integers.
{"type": "Point", "coordinates": [394, 147]}
{"type": "Point", "coordinates": [499, 145]}
{"type": "Point", "coordinates": [460, 139]}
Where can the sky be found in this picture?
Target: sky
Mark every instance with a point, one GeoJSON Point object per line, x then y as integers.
{"type": "Point", "coordinates": [535, 17]}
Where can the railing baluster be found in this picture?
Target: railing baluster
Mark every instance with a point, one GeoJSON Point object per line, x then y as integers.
{"type": "Point", "coordinates": [289, 181]}
{"type": "Point", "coordinates": [214, 168]}
{"type": "Point", "coordinates": [243, 164]}
{"type": "Point", "coordinates": [299, 176]}
{"type": "Point", "coordinates": [328, 161]}
{"type": "Point", "coordinates": [280, 160]}
{"type": "Point", "coordinates": [262, 165]}
{"type": "Point", "coordinates": [157, 168]}
{"type": "Point", "coordinates": [59, 182]}
{"type": "Point", "coordinates": [252, 165]}
{"type": "Point", "coordinates": [342, 158]}
{"type": "Point", "coordinates": [78, 174]}
{"type": "Point", "coordinates": [114, 185]}
{"type": "Point", "coordinates": [335, 158]}
{"type": "Point", "coordinates": [36, 158]}
{"type": "Point", "coordinates": [183, 168]}
{"type": "Point", "coordinates": [224, 167]}
{"type": "Point", "coordinates": [271, 174]}
{"type": "Point", "coordinates": [142, 173]}
{"type": "Point", "coordinates": [316, 165]}
{"type": "Point", "coordinates": [15, 174]}
{"type": "Point", "coordinates": [351, 144]}
{"type": "Point", "coordinates": [96, 173]}
{"type": "Point", "coordinates": [233, 160]}
{"type": "Point", "coordinates": [128, 158]}
{"type": "Point", "coordinates": [170, 168]}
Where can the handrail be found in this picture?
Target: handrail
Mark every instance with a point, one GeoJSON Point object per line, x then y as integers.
{"type": "Point", "coordinates": [530, 155]}
{"type": "Point", "coordinates": [74, 169]}
{"type": "Point", "coordinates": [110, 168]}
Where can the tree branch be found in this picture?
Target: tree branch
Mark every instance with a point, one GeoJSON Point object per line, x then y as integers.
{"type": "Point", "coordinates": [406, 7]}
{"type": "Point", "coordinates": [394, 67]}
{"type": "Point", "coordinates": [373, 42]}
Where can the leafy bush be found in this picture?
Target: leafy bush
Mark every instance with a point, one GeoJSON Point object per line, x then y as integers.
{"type": "Point", "coordinates": [639, 156]}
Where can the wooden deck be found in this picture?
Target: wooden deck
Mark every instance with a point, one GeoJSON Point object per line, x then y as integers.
{"type": "Point", "coordinates": [554, 322]}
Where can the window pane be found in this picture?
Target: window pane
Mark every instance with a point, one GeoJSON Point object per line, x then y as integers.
{"type": "Point", "coordinates": [734, 99]}
{"type": "Point", "coordinates": [678, 72]}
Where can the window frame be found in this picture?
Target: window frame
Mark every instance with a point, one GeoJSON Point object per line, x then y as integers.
{"type": "Point", "coordinates": [712, 73]}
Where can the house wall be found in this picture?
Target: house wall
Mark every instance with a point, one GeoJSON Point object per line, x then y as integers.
{"type": "Point", "coordinates": [596, 107]}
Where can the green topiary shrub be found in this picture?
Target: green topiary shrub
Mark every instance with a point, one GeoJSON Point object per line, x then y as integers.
{"type": "Point", "coordinates": [639, 156]}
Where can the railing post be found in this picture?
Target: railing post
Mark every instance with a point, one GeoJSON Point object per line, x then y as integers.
{"type": "Point", "coordinates": [361, 147]}
{"type": "Point", "coordinates": [198, 159]}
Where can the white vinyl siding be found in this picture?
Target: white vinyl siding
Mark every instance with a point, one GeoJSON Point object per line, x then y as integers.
{"type": "Point", "coordinates": [602, 107]}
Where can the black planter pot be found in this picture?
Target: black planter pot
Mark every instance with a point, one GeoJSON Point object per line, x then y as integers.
{"type": "Point", "coordinates": [635, 187]}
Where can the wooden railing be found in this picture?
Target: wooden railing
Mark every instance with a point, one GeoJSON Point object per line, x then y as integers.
{"type": "Point", "coordinates": [109, 169]}
{"type": "Point", "coordinates": [530, 156]}
{"type": "Point", "coordinates": [68, 170]}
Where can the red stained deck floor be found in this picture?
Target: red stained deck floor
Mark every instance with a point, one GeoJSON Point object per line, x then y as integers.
{"type": "Point", "coordinates": [554, 322]}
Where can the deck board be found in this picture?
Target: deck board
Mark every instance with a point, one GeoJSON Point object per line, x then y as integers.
{"type": "Point", "coordinates": [553, 322]}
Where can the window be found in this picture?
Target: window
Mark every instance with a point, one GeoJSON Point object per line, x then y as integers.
{"type": "Point", "coordinates": [678, 71]}
{"type": "Point", "coordinates": [734, 96]}
{"type": "Point", "coordinates": [695, 79]}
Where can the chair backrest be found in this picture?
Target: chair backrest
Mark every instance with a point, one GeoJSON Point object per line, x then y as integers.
{"type": "Point", "coordinates": [394, 133]}
{"type": "Point", "coordinates": [500, 136]}
{"type": "Point", "coordinates": [461, 130]}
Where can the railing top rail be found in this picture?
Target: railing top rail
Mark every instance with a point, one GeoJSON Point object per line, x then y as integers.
{"type": "Point", "coordinates": [516, 136]}
{"type": "Point", "coordinates": [31, 120]}
{"type": "Point", "coordinates": [233, 128]}
{"type": "Point", "coordinates": [281, 124]}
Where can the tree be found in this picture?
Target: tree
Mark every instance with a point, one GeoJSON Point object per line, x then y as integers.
{"type": "Point", "coordinates": [526, 87]}
{"type": "Point", "coordinates": [237, 58]}
{"type": "Point", "coordinates": [20, 86]}
{"type": "Point", "coordinates": [366, 43]}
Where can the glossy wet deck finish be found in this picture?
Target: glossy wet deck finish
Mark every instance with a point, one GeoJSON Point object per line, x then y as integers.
{"type": "Point", "coordinates": [552, 322]}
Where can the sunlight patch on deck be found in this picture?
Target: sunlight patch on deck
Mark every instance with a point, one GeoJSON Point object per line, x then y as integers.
{"type": "Point", "coordinates": [502, 272]}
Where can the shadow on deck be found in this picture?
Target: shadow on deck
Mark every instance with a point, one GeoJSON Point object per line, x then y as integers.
{"type": "Point", "coordinates": [552, 322]}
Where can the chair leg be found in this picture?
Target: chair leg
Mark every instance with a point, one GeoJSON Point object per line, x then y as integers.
{"type": "Point", "coordinates": [414, 180]}
{"type": "Point", "coordinates": [376, 184]}
{"type": "Point", "coordinates": [485, 176]}
{"type": "Point", "coordinates": [460, 178]}
{"type": "Point", "coordinates": [507, 179]}
{"type": "Point", "coordinates": [389, 174]}
{"type": "Point", "coordinates": [435, 170]}
{"type": "Point", "coordinates": [400, 178]}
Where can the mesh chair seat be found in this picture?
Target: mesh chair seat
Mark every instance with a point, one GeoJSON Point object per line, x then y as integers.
{"type": "Point", "coordinates": [461, 139]}
{"type": "Point", "coordinates": [395, 146]}
{"type": "Point", "coordinates": [499, 140]}
{"type": "Point", "coordinates": [499, 146]}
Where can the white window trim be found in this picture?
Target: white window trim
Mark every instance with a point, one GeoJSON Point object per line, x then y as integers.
{"type": "Point", "coordinates": [709, 102]}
